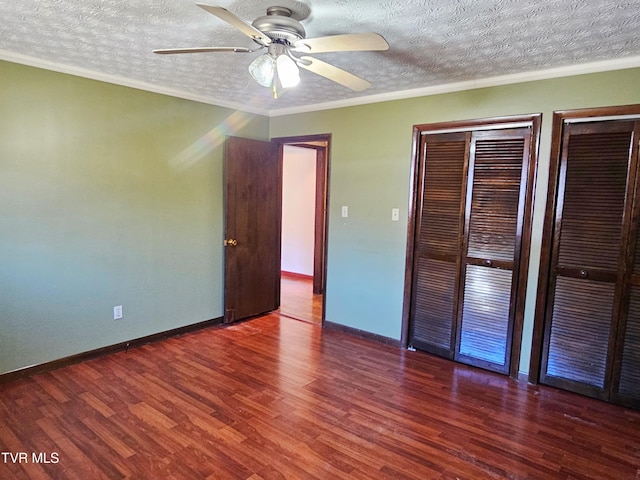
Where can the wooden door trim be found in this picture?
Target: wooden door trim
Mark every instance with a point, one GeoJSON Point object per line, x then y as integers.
{"type": "Point", "coordinates": [557, 134]}
{"type": "Point", "coordinates": [319, 254]}
{"type": "Point", "coordinates": [534, 122]}
{"type": "Point", "coordinates": [321, 143]}
{"type": "Point", "coordinates": [416, 147]}
{"type": "Point", "coordinates": [525, 247]}
{"type": "Point", "coordinates": [320, 208]}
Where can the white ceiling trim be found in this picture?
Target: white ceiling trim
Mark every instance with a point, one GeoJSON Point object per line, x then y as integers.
{"type": "Point", "coordinates": [123, 81]}
{"type": "Point", "coordinates": [594, 67]}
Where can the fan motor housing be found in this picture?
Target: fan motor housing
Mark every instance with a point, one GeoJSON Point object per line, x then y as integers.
{"type": "Point", "coordinates": [278, 24]}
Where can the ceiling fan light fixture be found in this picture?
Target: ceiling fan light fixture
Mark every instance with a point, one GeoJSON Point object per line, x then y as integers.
{"type": "Point", "coordinates": [282, 34]}
{"type": "Point", "coordinates": [288, 72]}
{"type": "Point", "coordinates": [263, 70]}
{"type": "Point", "coordinates": [275, 70]}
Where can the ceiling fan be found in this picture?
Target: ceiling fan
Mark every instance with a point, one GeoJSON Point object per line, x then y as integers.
{"type": "Point", "coordinates": [284, 39]}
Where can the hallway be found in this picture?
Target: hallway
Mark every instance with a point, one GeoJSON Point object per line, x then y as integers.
{"type": "Point", "coordinates": [297, 299]}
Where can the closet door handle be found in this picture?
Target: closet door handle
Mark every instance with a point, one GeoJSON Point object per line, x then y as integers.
{"type": "Point", "coordinates": [488, 262]}
{"type": "Point", "coordinates": [583, 274]}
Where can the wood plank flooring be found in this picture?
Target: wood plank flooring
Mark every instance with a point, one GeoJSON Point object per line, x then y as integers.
{"type": "Point", "coordinates": [276, 398]}
{"type": "Point", "coordinates": [297, 299]}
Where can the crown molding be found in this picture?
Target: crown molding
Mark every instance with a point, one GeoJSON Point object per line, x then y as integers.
{"type": "Point", "coordinates": [558, 72]}
{"type": "Point", "coordinates": [124, 81]}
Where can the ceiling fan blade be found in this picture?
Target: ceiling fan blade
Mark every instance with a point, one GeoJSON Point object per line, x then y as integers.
{"type": "Point", "coordinates": [349, 42]}
{"type": "Point", "coordinates": [333, 73]}
{"type": "Point", "coordinates": [203, 49]}
{"type": "Point", "coordinates": [249, 30]}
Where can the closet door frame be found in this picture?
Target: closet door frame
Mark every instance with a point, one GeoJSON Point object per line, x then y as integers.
{"type": "Point", "coordinates": [559, 119]}
{"type": "Point", "coordinates": [532, 121]}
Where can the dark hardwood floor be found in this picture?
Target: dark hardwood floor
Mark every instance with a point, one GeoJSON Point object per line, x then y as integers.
{"type": "Point", "coordinates": [276, 398]}
{"type": "Point", "coordinates": [297, 299]}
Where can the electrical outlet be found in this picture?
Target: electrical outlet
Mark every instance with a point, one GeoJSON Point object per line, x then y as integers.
{"type": "Point", "coordinates": [117, 312]}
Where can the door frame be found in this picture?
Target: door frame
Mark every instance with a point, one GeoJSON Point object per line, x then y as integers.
{"type": "Point", "coordinates": [321, 143]}
{"type": "Point", "coordinates": [534, 122]}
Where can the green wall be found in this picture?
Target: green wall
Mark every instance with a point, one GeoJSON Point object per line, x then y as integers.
{"type": "Point", "coordinates": [113, 196]}
{"type": "Point", "coordinates": [108, 196]}
{"type": "Point", "coordinates": [370, 172]}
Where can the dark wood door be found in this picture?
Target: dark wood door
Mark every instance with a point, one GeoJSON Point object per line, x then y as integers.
{"type": "Point", "coordinates": [591, 342]}
{"type": "Point", "coordinates": [472, 231]}
{"type": "Point", "coordinates": [253, 209]}
{"type": "Point", "coordinates": [625, 386]}
{"type": "Point", "coordinates": [438, 241]}
{"type": "Point", "coordinates": [494, 214]}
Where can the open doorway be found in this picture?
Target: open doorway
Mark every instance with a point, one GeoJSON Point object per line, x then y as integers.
{"type": "Point", "coordinates": [304, 206]}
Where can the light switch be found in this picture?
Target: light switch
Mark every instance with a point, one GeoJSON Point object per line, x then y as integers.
{"type": "Point", "coordinates": [395, 214]}
{"type": "Point", "coordinates": [345, 211]}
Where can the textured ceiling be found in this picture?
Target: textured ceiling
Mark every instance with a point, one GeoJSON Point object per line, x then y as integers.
{"type": "Point", "coordinates": [433, 42]}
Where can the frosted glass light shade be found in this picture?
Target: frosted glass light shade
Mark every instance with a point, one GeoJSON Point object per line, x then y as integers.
{"type": "Point", "coordinates": [263, 69]}
{"type": "Point", "coordinates": [288, 71]}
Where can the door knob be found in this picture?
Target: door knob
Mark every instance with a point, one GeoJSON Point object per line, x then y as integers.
{"type": "Point", "coordinates": [232, 242]}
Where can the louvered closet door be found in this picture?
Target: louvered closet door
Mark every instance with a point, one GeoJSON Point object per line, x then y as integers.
{"type": "Point", "coordinates": [438, 242]}
{"type": "Point", "coordinates": [627, 372]}
{"type": "Point", "coordinates": [467, 244]}
{"type": "Point", "coordinates": [588, 263]}
{"type": "Point", "coordinates": [493, 220]}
